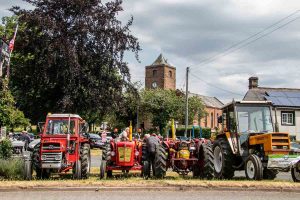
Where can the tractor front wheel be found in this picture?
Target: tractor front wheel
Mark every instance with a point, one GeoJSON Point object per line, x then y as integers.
{"type": "Point", "coordinates": [223, 159]}
{"type": "Point", "coordinates": [77, 170]}
{"type": "Point", "coordinates": [160, 162]}
{"type": "Point", "coordinates": [253, 168]}
{"type": "Point", "coordinates": [85, 155]}
{"type": "Point", "coordinates": [146, 169]}
{"type": "Point", "coordinates": [102, 169]}
{"type": "Point", "coordinates": [295, 171]}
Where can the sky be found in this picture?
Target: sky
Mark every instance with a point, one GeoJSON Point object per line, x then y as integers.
{"type": "Point", "coordinates": [190, 31]}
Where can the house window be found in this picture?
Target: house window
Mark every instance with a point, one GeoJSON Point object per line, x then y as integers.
{"type": "Point", "coordinates": [288, 118]}
{"type": "Point", "coordinates": [154, 73]}
{"type": "Point", "coordinates": [170, 74]}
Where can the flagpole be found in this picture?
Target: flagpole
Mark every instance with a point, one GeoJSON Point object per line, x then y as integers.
{"type": "Point", "coordinates": [10, 50]}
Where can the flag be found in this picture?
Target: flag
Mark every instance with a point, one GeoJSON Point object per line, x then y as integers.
{"type": "Point", "coordinates": [12, 42]}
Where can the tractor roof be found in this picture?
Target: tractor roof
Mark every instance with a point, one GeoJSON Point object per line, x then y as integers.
{"type": "Point", "coordinates": [63, 115]}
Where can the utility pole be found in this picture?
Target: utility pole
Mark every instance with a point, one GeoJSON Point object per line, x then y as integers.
{"type": "Point", "coordinates": [186, 101]}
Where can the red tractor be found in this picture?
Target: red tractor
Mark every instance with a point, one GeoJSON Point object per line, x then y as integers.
{"type": "Point", "coordinates": [194, 156]}
{"type": "Point", "coordinates": [124, 156]}
{"type": "Point", "coordinates": [63, 146]}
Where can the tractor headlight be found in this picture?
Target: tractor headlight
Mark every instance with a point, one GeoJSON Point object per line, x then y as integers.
{"type": "Point", "coordinates": [192, 148]}
{"type": "Point", "coordinates": [112, 153]}
{"type": "Point", "coordinates": [44, 157]}
{"type": "Point", "coordinates": [57, 157]}
{"type": "Point", "coordinates": [136, 153]}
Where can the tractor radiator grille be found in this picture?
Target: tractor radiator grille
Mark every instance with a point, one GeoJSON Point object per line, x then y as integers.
{"type": "Point", "coordinates": [280, 141]}
{"type": "Point", "coordinates": [51, 146]}
{"type": "Point", "coordinates": [51, 157]}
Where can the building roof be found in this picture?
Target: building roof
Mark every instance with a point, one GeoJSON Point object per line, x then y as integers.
{"type": "Point", "coordinates": [208, 101]}
{"type": "Point", "coordinates": [280, 97]}
{"type": "Point", "coordinates": [160, 60]}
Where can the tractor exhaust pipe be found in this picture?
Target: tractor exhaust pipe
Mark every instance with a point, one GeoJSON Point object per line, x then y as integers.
{"type": "Point", "coordinates": [173, 130]}
{"type": "Point", "coordinates": [68, 134]}
{"type": "Point", "coordinates": [130, 131]}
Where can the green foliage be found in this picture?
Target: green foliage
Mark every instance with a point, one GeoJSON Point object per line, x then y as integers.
{"type": "Point", "coordinates": [71, 59]}
{"type": "Point", "coordinates": [206, 132]}
{"type": "Point", "coordinates": [163, 105]}
{"type": "Point", "coordinates": [11, 168]}
{"type": "Point", "coordinates": [6, 149]}
{"type": "Point", "coordinates": [10, 116]}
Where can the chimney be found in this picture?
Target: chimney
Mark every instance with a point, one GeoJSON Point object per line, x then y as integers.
{"type": "Point", "coordinates": [253, 82]}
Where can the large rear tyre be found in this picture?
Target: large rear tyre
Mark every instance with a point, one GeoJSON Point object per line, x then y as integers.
{"type": "Point", "coordinates": [295, 171]}
{"type": "Point", "coordinates": [253, 168]}
{"type": "Point", "coordinates": [269, 174]}
{"type": "Point", "coordinates": [27, 170]}
{"type": "Point", "coordinates": [207, 159]}
{"type": "Point", "coordinates": [160, 162]}
{"type": "Point", "coordinates": [106, 153]}
{"type": "Point", "coordinates": [85, 156]}
{"type": "Point", "coordinates": [223, 159]}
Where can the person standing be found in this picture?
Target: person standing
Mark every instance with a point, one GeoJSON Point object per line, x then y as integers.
{"type": "Point", "coordinates": [152, 145]}
{"type": "Point", "coordinates": [124, 135]}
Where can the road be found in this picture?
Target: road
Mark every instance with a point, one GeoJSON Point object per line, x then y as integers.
{"type": "Point", "coordinates": [148, 195]}
{"type": "Point", "coordinates": [238, 174]}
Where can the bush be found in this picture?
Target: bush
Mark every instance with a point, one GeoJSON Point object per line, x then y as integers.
{"type": "Point", "coordinates": [206, 132]}
{"type": "Point", "coordinates": [11, 168]}
{"type": "Point", "coordinates": [6, 149]}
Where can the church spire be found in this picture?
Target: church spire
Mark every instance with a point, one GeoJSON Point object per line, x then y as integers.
{"type": "Point", "coordinates": [160, 60]}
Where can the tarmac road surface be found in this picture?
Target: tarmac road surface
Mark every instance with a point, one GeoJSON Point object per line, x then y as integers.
{"type": "Point", "coordinates": [148, 195]}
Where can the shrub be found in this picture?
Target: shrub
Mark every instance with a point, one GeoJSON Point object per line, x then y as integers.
{"type": "Point", "coordinates": [11, 168]}
{"type": "Point", "coordinates": [6, 149]}
{"type": "Point", "coordinates": [206, 132]}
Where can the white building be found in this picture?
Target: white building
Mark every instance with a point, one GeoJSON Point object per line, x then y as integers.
{"type": "Point", "coordinates": [285, 102]}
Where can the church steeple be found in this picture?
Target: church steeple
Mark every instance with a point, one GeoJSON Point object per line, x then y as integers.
{"type": "Point", "coordinates": [160, 74]}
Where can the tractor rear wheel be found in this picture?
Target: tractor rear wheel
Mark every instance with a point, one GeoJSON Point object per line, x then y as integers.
{"type": "Point", "coordinates": [207, 158]}
{"type": "Point", "coordinates": [295, 171]}
{"type": "Point", "coordinates": [27, 170]}
{"type": "Point", "coordinates": [269, 174]}
{"type": "Point", "coordinates": [253, 168]}
{"type": "Point", "coordinates": [160, 162]}
{"type": "Point", "coordinates": [223, 159]}
{"type": "Point", "coordinates": [85, 157]}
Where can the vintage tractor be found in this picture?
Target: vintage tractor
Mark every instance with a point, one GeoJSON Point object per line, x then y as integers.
{"type": "Point", "coordinates": [248, 142]}
{"type": "Point", "coordinates": [63, 147]}
{"type": "Point", "coordinates": [124, 156]}
{"type": "Point", "coordinates": [194, 156]}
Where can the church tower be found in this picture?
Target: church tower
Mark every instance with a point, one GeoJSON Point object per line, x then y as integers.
{"type": "Point", "coordinates": [160, 75]}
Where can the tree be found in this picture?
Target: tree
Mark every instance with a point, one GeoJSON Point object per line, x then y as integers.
{"type": "Point", "coordinates": [160, 106]}
{"type": "Point", "coordinates": [10, 116]}
{"type": "Point", "coordinates": [69, 58]}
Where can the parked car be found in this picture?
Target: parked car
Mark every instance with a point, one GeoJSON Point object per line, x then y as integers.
{"type": "Point", "coordinates": [295, 147]}
{"type": "Point", "coordinates": [95, 141]}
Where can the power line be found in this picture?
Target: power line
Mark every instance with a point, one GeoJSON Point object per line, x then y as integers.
{"type": "Point", "coordinates": [228, 91]}
{"type": "Point", "coordinates": [223, 53]}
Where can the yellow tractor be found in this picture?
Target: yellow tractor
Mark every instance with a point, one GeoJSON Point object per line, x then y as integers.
{"type": "Point", "coordinates": [249, 142]}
